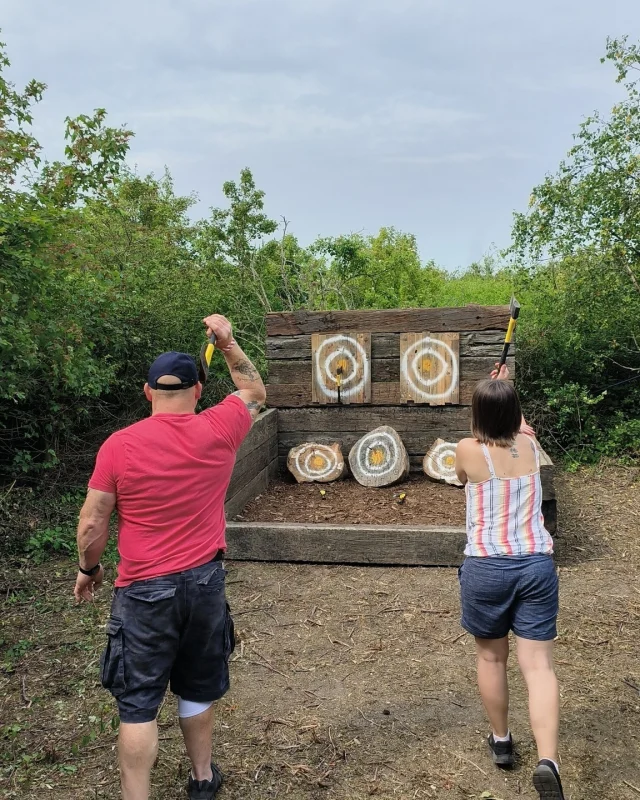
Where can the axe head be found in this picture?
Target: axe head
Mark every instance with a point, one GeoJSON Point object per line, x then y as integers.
{"type": "Point", "coordinates": [206, 353]}
{"type": "Point", "coordinates": [514, 308]}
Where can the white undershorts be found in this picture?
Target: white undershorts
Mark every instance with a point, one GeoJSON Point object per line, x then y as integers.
{"type": "Point", "coordinates": [187, 708]}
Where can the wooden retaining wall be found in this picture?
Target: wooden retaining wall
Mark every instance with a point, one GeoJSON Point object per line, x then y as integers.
{"type": "Point", "coordinates": [405, 545]}
{"type": "Point", "coordinates": [481, 330]}
{"type": "Point", "coordinates": [256, 463]}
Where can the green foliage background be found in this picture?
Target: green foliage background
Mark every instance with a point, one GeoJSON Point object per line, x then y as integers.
{"type": "Point", "coordinates": [101, 269]}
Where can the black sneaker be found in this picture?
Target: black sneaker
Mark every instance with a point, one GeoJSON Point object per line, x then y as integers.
{"type": "Point", "coordinates": [547, 781]}
{"type": "Point", "coordinates": [205, 790]}
{"type": "Point", "coordinates": [502, 752]}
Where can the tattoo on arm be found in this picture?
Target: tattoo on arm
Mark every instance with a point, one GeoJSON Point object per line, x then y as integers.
{"type": "Point", "coordinates": [253, 406]}
{"type": "Point", "coordinates": [245, 368]}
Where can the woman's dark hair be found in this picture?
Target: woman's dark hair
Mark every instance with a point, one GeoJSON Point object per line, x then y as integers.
{"type": "Point", "coordinates": [495, 413]}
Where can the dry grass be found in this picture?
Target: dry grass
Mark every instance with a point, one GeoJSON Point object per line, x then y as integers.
{"type": "Point", "coordinates": [347, 682]}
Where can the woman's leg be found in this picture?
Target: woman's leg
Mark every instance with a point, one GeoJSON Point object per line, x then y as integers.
{"type": "Point", "coordinates": [536, 662]}
{"type": "Point", "coordinates": [492, 681]}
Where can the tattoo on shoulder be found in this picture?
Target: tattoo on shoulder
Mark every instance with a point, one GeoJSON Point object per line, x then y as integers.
{"type": "Point", "coordinates": [514, 452]}
{"type": "Point", "coordinates": [245, 368]}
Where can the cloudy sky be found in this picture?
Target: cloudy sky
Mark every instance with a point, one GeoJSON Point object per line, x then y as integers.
{"type": "Point", "coordinates": [435, 116]}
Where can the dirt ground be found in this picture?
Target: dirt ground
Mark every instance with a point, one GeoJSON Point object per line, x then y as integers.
{"type": "Point", "coordinates": [346, 501]}
{"type": "Point", "coordinates": [347, 682]}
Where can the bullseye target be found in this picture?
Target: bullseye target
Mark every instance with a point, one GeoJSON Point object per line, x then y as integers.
{"type": "Point", "coordinates": [379, 458]}
{"type": "Point", "coordinates": [341, 368]}
{"type": "Point", "coordinates": [440, 462]}
{"type": "Point", "coordinates": [311, 462]}
{"type": "Point", "coordinates": [429, 368]}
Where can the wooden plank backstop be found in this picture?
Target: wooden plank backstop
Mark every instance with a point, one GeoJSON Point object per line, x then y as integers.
{"type": "Point", "coordinates": [289, 349]}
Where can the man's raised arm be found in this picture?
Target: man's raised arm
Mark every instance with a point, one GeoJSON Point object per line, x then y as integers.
{"type": "Point", "coordinates": [245, 376]}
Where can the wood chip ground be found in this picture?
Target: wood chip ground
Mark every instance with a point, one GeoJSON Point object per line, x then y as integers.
{"type": "Point", "coordinates": [347, 683]}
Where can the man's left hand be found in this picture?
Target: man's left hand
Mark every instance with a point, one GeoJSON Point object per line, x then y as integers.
{"type": "Point", "coordinates": [87, 586]}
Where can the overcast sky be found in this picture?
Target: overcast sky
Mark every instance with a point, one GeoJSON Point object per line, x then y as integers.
{"type": "Point", "coordinates": [435, 116]}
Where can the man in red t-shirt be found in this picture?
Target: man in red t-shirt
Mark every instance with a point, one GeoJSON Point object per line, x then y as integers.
{"type": "Point", "coordinates": [167, 477]}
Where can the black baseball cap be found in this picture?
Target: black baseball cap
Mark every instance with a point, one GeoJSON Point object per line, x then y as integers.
{"type": "Point", "coordinates": [179, 365]}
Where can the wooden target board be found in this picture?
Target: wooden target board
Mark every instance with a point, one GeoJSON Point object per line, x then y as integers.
{"type": "Point", "coordinates": [379, 458]}
{"type": "Point", "coordinates": [430, 368]}
{"type": "Point", "coordinates": [341, 368]}
{"type": "Point", "coordinates": [311, 462]}
{"type": "Point", "coordinates": [440, 462]}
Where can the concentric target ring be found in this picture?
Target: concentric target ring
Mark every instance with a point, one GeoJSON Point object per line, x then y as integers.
{"type": "Point", "coordinates": [349, 350]}
{"type": "Point", "coordinates": [377, 442]}
{"type": "Point", "coordinates": [440, 462]}
{"type": "Point", "coordinates": [442, 353]}
{"type": "Point", "coordinates": [309, 470]}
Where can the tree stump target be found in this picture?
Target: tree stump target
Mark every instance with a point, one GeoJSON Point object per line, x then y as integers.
{"type": "Point", "coordinates": [379, 458]}
{"type": "Point", "coordinates": [440, 462]}
{"type": "Point", "coordinates": [316, 463]}
{"type": "Point", "coordinates": [430, 368]}
{"type": "Point", "coordinates": [341, 368]}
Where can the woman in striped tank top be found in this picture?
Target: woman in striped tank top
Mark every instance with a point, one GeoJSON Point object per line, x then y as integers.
{"type": "Point", "coordinates": [508, 580]}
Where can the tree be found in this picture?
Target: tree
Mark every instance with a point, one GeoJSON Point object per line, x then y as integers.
{"type": "Point", "coordinates": [580, 280]}
{"type": "Point", "coordinates": [45, 348]}
{"type": "Point", "coordinates": [594, 199]}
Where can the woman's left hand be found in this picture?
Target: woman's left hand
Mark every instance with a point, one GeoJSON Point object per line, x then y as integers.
{"type": "Point", "coordinates": [502, 374]}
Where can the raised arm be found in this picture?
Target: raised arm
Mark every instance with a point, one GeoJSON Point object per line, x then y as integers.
{"type": "Point", "coordinates": [504, 376]}
{"type": "Point", "coordinates": [249, 385]}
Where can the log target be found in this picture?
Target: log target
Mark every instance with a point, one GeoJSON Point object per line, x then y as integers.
{"type": "Point", "coordinates": [379, 458]}
{"type": "Point", "coordinates": [440, 462]}
{"type": "Point", "coordinates": [341, 371]}
{"type": "Point", "coordinates": [430, 368]}
{"type": "Point", "coordinates": [316, 463]}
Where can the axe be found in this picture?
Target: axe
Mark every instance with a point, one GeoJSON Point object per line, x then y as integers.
{"type": "Point", "coordinates": [514, 310]}
{"type": "Point", "coordinates": [206, 354]}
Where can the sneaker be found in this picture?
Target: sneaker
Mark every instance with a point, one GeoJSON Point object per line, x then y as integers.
{"type": "Point", "coordinates": [547, 781]}
{"type": "Point", "coordinates": [502, 752]}
{"type": "Point", "coordinates": [205, 790]}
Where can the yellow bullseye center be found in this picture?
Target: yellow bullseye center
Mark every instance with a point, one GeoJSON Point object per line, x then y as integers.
{"type": "Point", "coordinates": [341, 366]}
{"type": "Point", "coordinates": [425, 365]}
{"type": "Point", "coordinates": [449, 461]}
{"type": "Point", "coordinates": [376, 457]}
{"type": "Point", "coordinates": [317, 462]}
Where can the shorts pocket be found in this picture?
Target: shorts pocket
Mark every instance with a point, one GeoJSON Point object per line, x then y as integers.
{"type": "Point", "coordinates": [151, 593]}
{"type": "Point", "coordinates": [229, 633]}
{"type": "Point", "coordinates": [213, 579]}
{"type": "Point", "coordinates": [112, 659]}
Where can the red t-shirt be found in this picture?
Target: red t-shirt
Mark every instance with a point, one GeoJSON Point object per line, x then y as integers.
{"type": "Point", "coordinates": [170, 474]}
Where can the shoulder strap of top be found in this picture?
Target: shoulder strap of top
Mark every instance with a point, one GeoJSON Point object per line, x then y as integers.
{"type": "Point", "coordinates": [536, 452]}
{"type": "Point", "coordinates": [487, 458]}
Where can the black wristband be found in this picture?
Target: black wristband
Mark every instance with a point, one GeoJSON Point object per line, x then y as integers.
{"type": "Point", "coordinates": [90, 572]}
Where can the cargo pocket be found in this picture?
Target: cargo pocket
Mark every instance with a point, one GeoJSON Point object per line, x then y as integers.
{"type": "Point", "coordinates": [112, 659]}
{"type": "Point", "coordinates": [229, 633]}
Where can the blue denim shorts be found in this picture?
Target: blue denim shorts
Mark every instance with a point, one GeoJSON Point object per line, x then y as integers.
{"type": "Point", "coordinates": [175, 630]}
{"type": "Point", "coordinates": [509, 593]}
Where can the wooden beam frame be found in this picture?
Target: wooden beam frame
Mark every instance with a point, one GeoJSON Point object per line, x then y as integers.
{"type": "Point", "coordinates": [404, 545]}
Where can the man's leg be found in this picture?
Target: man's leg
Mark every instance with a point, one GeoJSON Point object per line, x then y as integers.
{"type": "Point", "coordinates": [492, 681]}
{"type": "Point", "coordinates": [197, 730]}
{"type": "Point", "coordinates": [137, 751]}
{"type": "Point", "coordinates": [536, 662]}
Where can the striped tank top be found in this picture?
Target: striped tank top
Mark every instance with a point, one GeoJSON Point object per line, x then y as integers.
{"type": "Point", "coordinates": [504, 515]}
